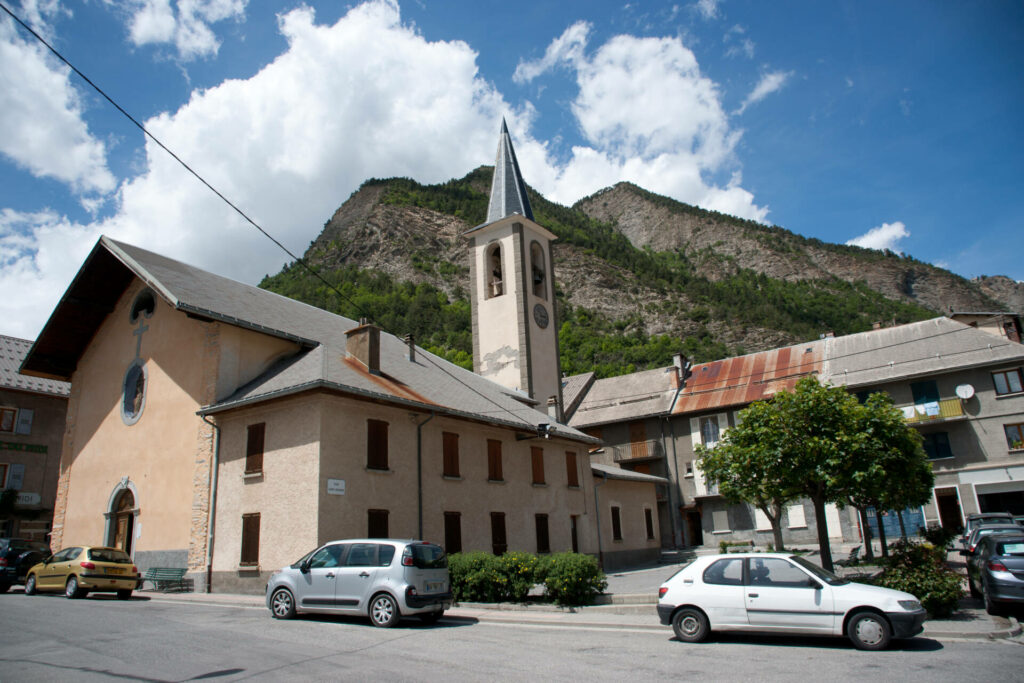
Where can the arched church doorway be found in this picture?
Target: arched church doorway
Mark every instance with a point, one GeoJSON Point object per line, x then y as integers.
{"type": "Point", "coordinates": [123, 518]}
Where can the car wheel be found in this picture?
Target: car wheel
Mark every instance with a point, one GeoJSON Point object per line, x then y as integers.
{"type": "Point", "coordinates": [30, 585]}
{"type": "Point", "coordinates": [124, 595]}
{"type": "Point", "coordinates": [282, 604]}
{"type": "Point", "coordinates": [690, 625]}
{"type": "Point", "coordinates": [431, 617]}
{"type": "Point", "coordinates": [991, 606]}
{"type": "Point", "coordinates": [869, 631]}
{"type": "Point", "coordinates": [72, 590]}
{"type": "Point", "coordinates": [4, 587]}
{"type": "Point", "coordinates": [383, 611]}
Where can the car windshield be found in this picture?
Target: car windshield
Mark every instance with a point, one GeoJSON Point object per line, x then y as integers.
{"type": "Point", "coordinates": [429, 556]}
{"type": "Point", "coordinates": [1014, 547]}
{"type": "Point", "coordinates": [109, 555]}
{"type": "Point", "coordinates": [823, 574]}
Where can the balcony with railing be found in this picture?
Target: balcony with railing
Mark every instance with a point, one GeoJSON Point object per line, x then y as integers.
{"type": "Point", "coordinates": [934, 411]}
{"type": "Point", "coordinates": [639, 450]}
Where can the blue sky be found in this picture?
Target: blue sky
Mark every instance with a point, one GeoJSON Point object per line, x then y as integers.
{"type": "Point", "coordinates": [895, 125]}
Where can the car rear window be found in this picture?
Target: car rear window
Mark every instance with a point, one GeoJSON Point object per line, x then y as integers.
{"type": "Point", "coordinates": [429, 556]}
{"type": "Point", "coordinates": [29, 545]}
{"type": "Point", "coordinates": [109, 555]}
{"type": "Point", "coordinates": [1014, 547]}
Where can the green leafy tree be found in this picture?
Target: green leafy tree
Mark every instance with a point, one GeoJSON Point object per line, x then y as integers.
{"type": "Point", "coordinates": [748, 466]}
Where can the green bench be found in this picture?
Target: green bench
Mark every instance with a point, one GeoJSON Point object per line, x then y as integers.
{"type": "Point", "coordinates": [168, 578]}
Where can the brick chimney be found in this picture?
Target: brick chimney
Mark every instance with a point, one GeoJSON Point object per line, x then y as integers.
{"type": "Point", "coordinates": [363, 344]}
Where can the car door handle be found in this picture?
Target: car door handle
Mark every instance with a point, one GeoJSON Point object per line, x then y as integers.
{"type": "Point", "coordinates": [751, 595]}
{"type": "Point", "coordinates": [329, 576]}
{"type": "Point", "coordinates": [364, 574]}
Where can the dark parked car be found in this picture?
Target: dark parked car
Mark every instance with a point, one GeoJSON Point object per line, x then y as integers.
{"type": "Point", "coordinates": [977, 519]}
{"type": "Point", "coordinates": [985, 530]}
{"type": "Point", "coordinates": [17, 556]}
{"type": "Point", "coordinates": [995, 571]}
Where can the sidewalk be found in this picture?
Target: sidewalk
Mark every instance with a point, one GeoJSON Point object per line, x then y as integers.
{"type": "Point", "coordinates": [630, 604]}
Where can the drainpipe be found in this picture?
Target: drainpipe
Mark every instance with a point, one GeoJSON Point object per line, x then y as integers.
{"type": "Point", "coordinates": [213, 502]}
{"type": "Point", "coordinates": [674, 472]}
{"type": "Point", "coordinates": [419, 474]}
{"type": "Point", "coordinates": [597, 509]}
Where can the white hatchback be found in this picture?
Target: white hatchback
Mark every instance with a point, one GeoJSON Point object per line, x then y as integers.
{"type": "Point", "coordinates": [783, 594]}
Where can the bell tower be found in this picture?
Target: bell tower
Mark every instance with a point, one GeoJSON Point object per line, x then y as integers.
{"type": "Point", "coordinates": [515, 333]}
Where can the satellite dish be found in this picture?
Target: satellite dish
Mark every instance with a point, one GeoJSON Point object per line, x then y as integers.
{"type": "Point", "coordinates": [964, 391]}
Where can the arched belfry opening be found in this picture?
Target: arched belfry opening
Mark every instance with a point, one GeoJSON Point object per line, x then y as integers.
{"type": "Point", "coordinates": [495, 283]}
{"type": "Point", "coordinates": [121, 513]}
{"type": "Point", "coordinates": [538, 271]}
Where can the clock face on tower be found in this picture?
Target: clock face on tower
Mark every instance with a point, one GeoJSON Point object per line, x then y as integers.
{"type": "Point", "coordinates": [540, 315]}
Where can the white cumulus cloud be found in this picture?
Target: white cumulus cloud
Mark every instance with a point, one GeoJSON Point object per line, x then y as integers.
{"type": "Point", "coordinates": [41, 117]}
{"type": "Point", "coordinates": [707, 9]}
{"type": "Point", "coordinates": [770, 82]}
{"type": "Point", "coordinates": [885, 236]}
{"type": "Point", "coordinates": [186, 24]}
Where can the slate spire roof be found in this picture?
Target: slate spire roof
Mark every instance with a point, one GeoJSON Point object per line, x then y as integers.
{"type": "Point", "coordinates": [508, 191]}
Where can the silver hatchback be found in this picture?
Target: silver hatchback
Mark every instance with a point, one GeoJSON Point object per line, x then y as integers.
{"type": "Point", "coordinates": [384, 579]}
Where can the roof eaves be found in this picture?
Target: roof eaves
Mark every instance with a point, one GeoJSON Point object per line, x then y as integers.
{"type": "Point", "coordinates": [247, 324]}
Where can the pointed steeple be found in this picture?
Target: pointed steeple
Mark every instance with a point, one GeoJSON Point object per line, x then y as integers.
{"type": "Point", "coordinates": [508, 191]}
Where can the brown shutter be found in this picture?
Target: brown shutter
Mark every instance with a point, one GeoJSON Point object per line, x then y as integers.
{"type": "Point", "coordinates": [452, 532]}
{"type": "Point", "coordinates": [537, 457]}
{"type": "Point", "coordinates": [494, 460]}
{"type": "Point", "coordinates": [377, 524]}
{"type": "Point", "coordinates": [616, 525]}
{"type": "Point", "coordinates": [571, 470]}
{"type": "Point", "coordinates": [250, 539]}
{"type": "Point", "coordinates": [254, 448]}
{"type": "Point", "coordinates": [637, 440]}
{"type": "Point", "coordinates": [376, 445]}
{"type": "Point", "coordinates": [450, 443]}
{"type": "Point", "coordinates": [649, 519]}
{"type": "Point", "coordinates": [543, 543]}
{"type": "Point", "coordinates": [499, 542]}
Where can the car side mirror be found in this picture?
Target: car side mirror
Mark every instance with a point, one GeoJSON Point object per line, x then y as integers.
{"type": "Point", "coordinates": [304, 567]}
{"type": "Point", "coordinates": [48, 559]}
{"type": "Point", "coordinates": [811, 583]}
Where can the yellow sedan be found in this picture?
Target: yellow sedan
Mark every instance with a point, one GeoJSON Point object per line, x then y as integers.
{"type": "Point", "coordinates": [79, 570]}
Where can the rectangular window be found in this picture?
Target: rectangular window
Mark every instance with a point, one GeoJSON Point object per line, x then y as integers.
{"type": "Point", "coordinates": [709, 431]}
{"type": "Point", "coordinates": [649, 521]}
{"type": "Point", "coordinates": [24, 421]}
{"type": "Point", "coordinates": [377, 524]}
{"type": "Point", "coordinates": [1008, 382]}
{"type": "Point", "coordinates": [453, 532]}
{"type": "Point", "coordinates": [7, 416]}
{"type": "Point", "coordinates": [925, 392]}
{"type": "Point", "coordinates": [499, 541]}
{"type": "Point", "coordinates": [638, 440]}
{"type": "Point", "coordinates": [543, 542]}
{"type": "Point", "coordinates": [537, 459]}
{"type": "Point", "coordinates": [616, 525]}
{"type": "Point", "coordinates": [250, 540]}
{"type": "Point", "coordinates": [720, 521]}
{"type": "Point", "coordinates": [1014, 436]}
{"type": "Point", "coordinates": [254, 448]}
{"type": "Point", "coordinates": [936, 445]}
{"type": "Point", "coordinates": [3, 476]}
{"type": "Point", "coordinates": [571, 470]}
{"type": "Point", "coordinates": [574, 530]}
{"type": "Point", "coordinates": [450, 443]}
{"type": "Point", "coordinates": [797, 518]}
{"type": "Point", "coordinates": [376, 445]}
{"type": "Point", "coordinates": [494, 461]}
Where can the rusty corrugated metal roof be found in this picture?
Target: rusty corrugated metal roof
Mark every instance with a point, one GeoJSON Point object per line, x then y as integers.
{"type": "Point", "coordinates": [744, 379]}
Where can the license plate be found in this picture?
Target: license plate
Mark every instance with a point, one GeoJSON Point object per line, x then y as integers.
{"type": "Point", "coordinates": [114, 570]}
{"type": "Point", "coordinates": [435, 586]}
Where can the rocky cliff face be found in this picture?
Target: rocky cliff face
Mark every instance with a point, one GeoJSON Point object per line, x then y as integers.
{"type": "Point", "coordinates": [421, 244]}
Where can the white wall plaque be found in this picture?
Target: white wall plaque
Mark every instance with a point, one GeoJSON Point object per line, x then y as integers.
{"type": "Point", "coordinates": [336, 487]}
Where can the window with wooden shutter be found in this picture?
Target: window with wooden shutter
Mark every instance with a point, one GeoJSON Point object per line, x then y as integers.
{"type": "Point", "coordinates": [450, 444]}
{"type": "Point", "coordinates": [377, 524]}
{"type": "Point", "coordinates": [499, 541]}
{"type": "Point", "coordinates": [616, 525]}
{"type": "Point", "coordinates": [376, 445]}
{"type": "Point", "coordinates": [571, 470]}
{"type": "Point", "coordinates": [254, 448]}
{"type": "Point", "coordinates": [543, 543]}
{"type": "Point", "coordinates": [250, 540]}
{"type": "Point", "coordinates": [7, 416]}
{"type": "Point", "coordinates": [537, 459]}
{"type": "Point", "coordinates": [649, 521]}
{"type": "Point", "coordinates": [494, 461]}
{"type": "Point", "coordinates": [453, 532]}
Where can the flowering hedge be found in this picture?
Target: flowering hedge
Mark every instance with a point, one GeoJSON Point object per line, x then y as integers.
{"type": "Point", "coordinates": [568, 578]}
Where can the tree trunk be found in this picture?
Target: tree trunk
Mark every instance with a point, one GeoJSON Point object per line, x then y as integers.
{"type": "Point", "coordinates": [869, 553]}
{"type": "Point", "coordinates": [823, 545]}
{"type": "Point", "coordinates": [903, 527]}
{"type": "Point", "coordinates": [776, 520]}
{"type": "Point", "coordinates": [881, 532]}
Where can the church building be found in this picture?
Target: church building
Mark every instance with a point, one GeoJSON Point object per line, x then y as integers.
{"type": "Point", "coordinates": [225, 429]}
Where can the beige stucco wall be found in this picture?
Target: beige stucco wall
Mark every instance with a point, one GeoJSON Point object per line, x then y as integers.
{"type": "Point", "coordinates": [498, 331]}
{"type": "Point", "coordinates": [632, 498]}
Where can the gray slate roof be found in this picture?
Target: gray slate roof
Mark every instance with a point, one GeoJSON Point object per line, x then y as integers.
{"type": "Point", "coordinates": [913, 350]}
{"type": "Point", "coordinates": [508, 191]}
{"type": "Point", "coordinates": [12, 353]}
{"type": "Point", "coordinates": [627, 397]}
{"type": "Point", "coordinates": [429, 383]}
{"type": "Point", "coordinates": [612, 472]}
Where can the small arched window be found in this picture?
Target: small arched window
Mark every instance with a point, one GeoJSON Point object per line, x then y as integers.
{"type": "Point", "coordinates": [144, 305]}
{"type": "Point", "coordinates": [133, 393]}
{"type": "Point", "coordinates": [495, 284]}
{"type": "Point", "coordinates": [538, 273]}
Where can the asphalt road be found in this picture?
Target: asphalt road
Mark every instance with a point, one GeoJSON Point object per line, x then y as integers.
{"type": "Point", "coordinates": [50, 638]}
